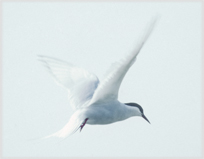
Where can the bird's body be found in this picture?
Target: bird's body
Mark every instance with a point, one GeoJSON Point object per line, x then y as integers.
{"type": "Point", "coordinates": [105, 113]}
{"type": "Point", "coordinates": [95, 102]}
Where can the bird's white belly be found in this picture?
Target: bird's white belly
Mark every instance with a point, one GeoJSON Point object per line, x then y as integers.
{"type": "Point", "coordinates": [105, 114]}
{"type": "Point", "coordinates": [100, 120]}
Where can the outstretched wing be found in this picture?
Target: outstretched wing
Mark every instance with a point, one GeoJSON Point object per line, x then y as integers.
{"type": "Point", "coordinates": [109, 86]}
{"type": "Point", "coordinates": [80, 83]}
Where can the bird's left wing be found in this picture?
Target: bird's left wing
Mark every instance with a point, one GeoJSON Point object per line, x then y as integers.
{"type": "Point", "coordinates": [109, 86]}
{"type": "Point", "coordinates": [79, 83]}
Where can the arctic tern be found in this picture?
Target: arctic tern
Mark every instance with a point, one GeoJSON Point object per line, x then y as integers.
{"type": "Point", "coordinates": [95, 102]}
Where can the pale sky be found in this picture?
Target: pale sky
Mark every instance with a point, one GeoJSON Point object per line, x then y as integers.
{"type": "Point", "coordinates": [165, 80]}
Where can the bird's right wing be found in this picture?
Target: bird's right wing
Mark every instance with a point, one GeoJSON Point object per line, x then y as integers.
{"type": "Point", "coordinates": [80, 83]}
{"type": "Point", "coordinates": [109, 86]}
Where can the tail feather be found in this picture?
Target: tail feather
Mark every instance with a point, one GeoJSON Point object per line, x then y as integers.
{"type": "Point", "coordinates": [70, 128]}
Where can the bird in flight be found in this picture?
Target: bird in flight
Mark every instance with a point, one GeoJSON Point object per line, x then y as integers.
{"type": "Point", "coordinates": [95, 102]}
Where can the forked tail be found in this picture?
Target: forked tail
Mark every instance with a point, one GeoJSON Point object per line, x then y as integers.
{"type": "Point", "coordinates": [70, 128]}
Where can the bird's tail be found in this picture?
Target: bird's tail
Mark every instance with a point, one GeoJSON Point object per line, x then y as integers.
{"type": "Point", "coordinates": [70, 128]}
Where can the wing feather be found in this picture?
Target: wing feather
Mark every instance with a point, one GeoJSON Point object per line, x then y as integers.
{"type": "Point", "coordinates": [109, 86]}
{"type": "Point", "coordinates": [80, 83]}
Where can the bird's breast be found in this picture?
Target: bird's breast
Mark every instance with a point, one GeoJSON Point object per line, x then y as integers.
{"type": "Point", "coordinates": [105, 114]}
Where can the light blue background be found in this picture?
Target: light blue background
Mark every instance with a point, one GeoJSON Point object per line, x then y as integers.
{"type": "Point", "coordinates": [165, 80]}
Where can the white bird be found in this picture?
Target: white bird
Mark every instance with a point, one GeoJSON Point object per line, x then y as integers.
{"type": "Point", "coordinates": [95, 102]}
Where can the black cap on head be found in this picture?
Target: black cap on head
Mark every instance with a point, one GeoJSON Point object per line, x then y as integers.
{"type": "Point", "coordinates": [140, 108]}
{"type": "Point", "coordinates": [135, 105]}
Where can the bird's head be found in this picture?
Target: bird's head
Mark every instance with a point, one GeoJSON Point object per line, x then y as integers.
{"type": "Point", "coordinates": [138, 109]}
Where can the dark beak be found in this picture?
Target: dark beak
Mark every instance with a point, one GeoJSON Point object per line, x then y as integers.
{"type": "Point", "coordinates": [145, 118]}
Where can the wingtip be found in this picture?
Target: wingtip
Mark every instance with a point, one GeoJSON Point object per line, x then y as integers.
{"type": "Point", "coordinates": [41, 56]}
{"type": "Point", "coordinates": [156, 18]}
{"type": "Point", "coordinates": [150, 26]}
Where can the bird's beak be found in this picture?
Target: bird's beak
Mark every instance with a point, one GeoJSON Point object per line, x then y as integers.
{"type": "Point", "coordinates": [145, 118]}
